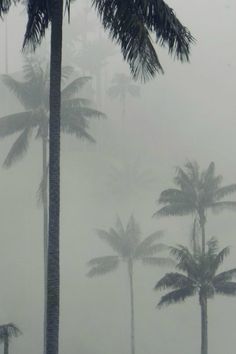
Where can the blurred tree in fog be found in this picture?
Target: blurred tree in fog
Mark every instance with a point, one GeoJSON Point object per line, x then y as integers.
{"type": "Point", "coordinates": [198, 277]}
{"type": "Point", "coordinates": [33, 93]}
{"type": "Point", "coordinates": [198, 192]}
{"type": "Point", "coordinates": [7, 332]}
{"type": "Point", "coordinates": [129, 248]}
{"type": "Point", "coordinates": [121, 87]}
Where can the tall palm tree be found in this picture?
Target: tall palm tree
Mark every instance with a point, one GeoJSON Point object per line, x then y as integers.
{"type": "Point", "coordinates": [122, 86]}
{"type": "Point", "coordinates": [199, 276]}
{"type": "Point", "coordinates": [128, 248]}
{"type": "Point", "coordinates": [196, 192]}
{"type": "Point", "coordinates": [129, 23]}
{"type": "Point", "coordinates": [33, 95]}
{"type": "Point", "coordinates": [8, 331]}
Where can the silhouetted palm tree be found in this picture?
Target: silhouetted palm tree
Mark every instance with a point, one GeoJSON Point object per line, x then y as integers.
{"type": "Point", "coordinates": [199, 277]}
{"type": "Point", "coordinates": [8, 331]}
{"type": "Point", "coordinates": [130, 24]}
{"type": "Point", "coordinates": [197, 192]}
{"type": "Point", "coordinates": [128, 248]}
{"type": "Point", "coordinates": [123, 86]}
{"type": "Point", "coordinates": [33, 95]}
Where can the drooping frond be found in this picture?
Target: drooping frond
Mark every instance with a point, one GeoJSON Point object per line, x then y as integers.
{"type": "Point", "coordinates": [19, 148]}
{"type": "Point", "coordinates": [177, 296]}
{"type": "Point", "coordinates": [21, 90]}
{"type": "Point", "coordinates": [173, 195]}
{"type": "Point", "coordinates": [217, 207]}
{"type": "Point", "coordinates": [113, 239]}
{"type": "Point", "coordinates": [226, 190]}
{"type": "Point", "coordinates": [177, 209]}
{"type": "Point", "coordinates": [5, 6]}
{"type": "Point", "coordinates": [102, 265]}
{"type": "Point", "coordinates": [147, 247]}
{"type": "Point", "coordinates": [226, 288]}
{"type": "Point", "coordinates": [174, 281]}
{"type": "Point", "coordinates": [127, 27]}
{"type": "Point", "coordinates": [71, 90]}
{"type": "Point", "coordinates": [226, 276]}
{"type": "Point", "coordinates": [15, 123]}
{"type": "Point", "coordinates": [75, 125]}
{"type": "Point", "coordinates": [9, 330]}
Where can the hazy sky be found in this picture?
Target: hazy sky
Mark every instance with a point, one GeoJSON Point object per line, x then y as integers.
{"type": "Point", "coordinates": [188, 113]}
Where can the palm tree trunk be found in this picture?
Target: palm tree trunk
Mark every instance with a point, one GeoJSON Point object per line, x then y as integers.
{"type": "Point", "coordinates": [204, 335]}
{"type": "Point", "coordinates": [6, 344]}
{"type": "Point", "coordinates": [202, 221]}
{"type": "Point", "coordinates": [6, 46]}
{"type": "Point", "coordinates": [53, 274]}
{"type": "Point", "coordinates": [132, 329]}
{"type": "Point", "coordinates": [45, 230]}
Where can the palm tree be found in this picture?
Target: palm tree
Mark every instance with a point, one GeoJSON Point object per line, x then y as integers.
{"type": "Point", "coordinates": [129, 23]}
{"type": "Point", "coordinates": [8, 331]}
{"type": "Point", "coordinates": [197, 192]}
{"type": "Point", "coordinates": [122, 86]}
{"type": "Point", "coordinates": [198, 277]}
{"type": "Point", "coordinates": [128, 248]}
{"type": "Point", "coordinates": [33, 95]}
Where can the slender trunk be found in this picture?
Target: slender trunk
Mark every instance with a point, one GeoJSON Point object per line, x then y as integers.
{"type": "Point", "coordinates": [202, 221]}
{"type": "Point", "coordinates": [6, 47]}
{"type": "Point", "coordinates": [132, 329]}
{"type": "Point", "coordinates": [45, 229]}
{"type": "Point", "coordinates": [53, 274]}
{"type": "Point", "coordinates": [6, 344]}
{"type": "Point", "coordinates": [204, 335]}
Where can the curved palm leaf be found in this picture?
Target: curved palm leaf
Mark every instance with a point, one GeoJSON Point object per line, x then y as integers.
{"type": "Point", "coordinates": [102, 265]}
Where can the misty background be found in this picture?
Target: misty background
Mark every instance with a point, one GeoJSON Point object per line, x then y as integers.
{"type": "Point", "coordinates": [188, 113]}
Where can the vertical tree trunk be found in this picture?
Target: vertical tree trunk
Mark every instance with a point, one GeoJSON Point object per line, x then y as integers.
{"type": "Point", "coordinates": [6, 46]}
{"type": "Point", "coordinates": [202, 221]}
{"type": "Point", "coordinates": [6, 344]}
{"type": "Point", "coordinates": [132, 328]}
{"type": "Point", "coordinates": [45, 228]}
{"type": "Point", "coordinates": [204, 334]}
{"type": "Point", "coordinates": [53, 275]}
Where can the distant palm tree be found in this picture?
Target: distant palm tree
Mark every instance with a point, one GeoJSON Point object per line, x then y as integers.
{"type": "Point", "coordinates": [8, 331]}
{"type": "Point", "coordinates": [199, 277]}
{"type": "Point", "coordinates": [197, 193]}
{"type": "Point", "coordinates": [128, 248]}
{"type": "Point", "coordinates": [33, 94]}
{"type": "Point", "coordinates": [122, 87]}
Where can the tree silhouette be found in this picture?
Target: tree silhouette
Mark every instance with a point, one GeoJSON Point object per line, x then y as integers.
{"type": "Point", "coordinates": [198, 277]}
{"type": "Point", "coordinates": [197, 192]}
{"type": "Point", "coordinates": [7, 332]}
{"type": "Point", "coordinates": [128, 248]}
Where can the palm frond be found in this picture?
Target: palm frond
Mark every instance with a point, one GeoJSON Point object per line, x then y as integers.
{"type": "Point", "coordinates": [19, 148]}
{"type": "Point", "coordinates": [173, 195]}
{"type": "Point", "coordinates": [72, 89]}
{"type": "Point", "coordinates": [221, 206]}
{"type": "Point", "coordinates": [222, 277]}
{"type": "Point", "coordinates": [102, 265]}
{"type": "Point", "coordinates": [226, 190]}
{"type": "Point", "coordinates": [15, 123]}
{"type": "Point", "coordinates": [177, 296]}
{"type": "Point", "coordinates": [226, 288]}
{"type": "Point", "coordinates": [20, 89]}
{"type": "Point", "coordinates": [113, 239]}
{"type": "Point", "coordinates": [9, 330]}
{"type": "Point", "coordinates": [177, 209]}
{"type": "Point", "coordinates": [5, 6]}
{"type": "Point", "coordinates": [174, 281]}
{"type": "Point", "coordinates": [147, 243]}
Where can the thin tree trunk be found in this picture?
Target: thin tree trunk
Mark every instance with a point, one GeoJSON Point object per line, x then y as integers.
{"type": "Point", "coordinates": [6, 46]}
{"type": "Point", "coordinates": [202, 221]}
{"type": "Point", "coordinates": [204, 334]}
{"type": "Point", "coordinates": [132, 328]}
{"type": "Point", "coordinates": [53, 275]}
{"type": "Point", "coordinates": [45, 229]}
{"type": "Point", "coordinates": [6, 345]}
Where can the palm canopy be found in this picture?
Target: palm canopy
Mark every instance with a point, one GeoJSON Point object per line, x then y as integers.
{"type": "Point", "coordinates": [5, 6]}
{"type": "Point", "coordinates": [197, 191]}
{"type": "Point", "coordinates": [199, 275]}
{"type": "Point", "coordinates": [122, 86]}
{"type": "Point", "coordinates": [33, 93]}
{"type": "Point", "coordinates": [8, 330]}
{"type": "Point", "coordinates": [130, 24]}
{"type": "Point", "coordinates": [127, 245]}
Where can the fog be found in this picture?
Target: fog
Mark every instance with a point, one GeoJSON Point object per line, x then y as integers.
{"type": "Point", "coordinates": [186, 114]}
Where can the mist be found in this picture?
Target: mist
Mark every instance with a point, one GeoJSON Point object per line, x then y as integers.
{"type": "Point", "coordinates": [186, 114]}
